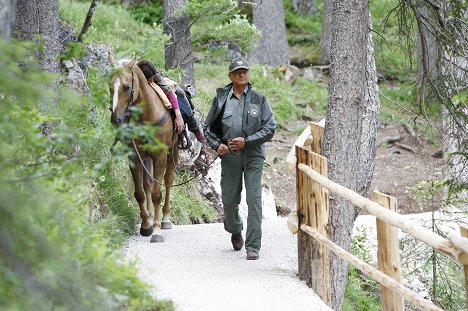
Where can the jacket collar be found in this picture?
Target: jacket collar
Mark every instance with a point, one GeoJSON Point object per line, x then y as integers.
{"type": "Point", "coordinates": [222, 93]}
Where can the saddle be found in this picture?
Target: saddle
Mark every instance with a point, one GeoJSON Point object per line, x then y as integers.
{"type": "Point", "coordinates": [183, 140]}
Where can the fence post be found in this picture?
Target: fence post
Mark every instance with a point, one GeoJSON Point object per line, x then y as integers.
{"type": "Point", "coordinates": [464, 260]}
{"type": "Point", "coordinates": [303, 239]}
{"type": "Point", "coordinates": [318, 215]}
{"type": "Point", "coordinates": [317, 135]}
{"type": "Point", "coordinates": [388, 254]}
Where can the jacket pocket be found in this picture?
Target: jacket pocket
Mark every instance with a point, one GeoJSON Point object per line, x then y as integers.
{"type": "Point", "coordinates": [252, 122]}
{"type": "Point", "coordinates": [227, 119]}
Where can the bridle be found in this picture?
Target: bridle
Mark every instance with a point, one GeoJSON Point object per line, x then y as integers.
{"type": "Point", "coordinates": [130, 101]}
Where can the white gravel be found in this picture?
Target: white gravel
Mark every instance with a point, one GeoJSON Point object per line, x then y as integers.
{"type": "Point", "coordinates": [197, 269]}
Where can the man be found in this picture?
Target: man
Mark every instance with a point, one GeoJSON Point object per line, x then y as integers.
{"type": "Point", "coordinates": [239, 123]}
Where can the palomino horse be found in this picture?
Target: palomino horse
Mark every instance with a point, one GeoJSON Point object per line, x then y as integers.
{"type": "Point", "coordinates": [128, 87]}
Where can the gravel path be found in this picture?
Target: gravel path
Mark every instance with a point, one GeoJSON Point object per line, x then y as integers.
{"type": "Point", "coordinates": [198, 270]}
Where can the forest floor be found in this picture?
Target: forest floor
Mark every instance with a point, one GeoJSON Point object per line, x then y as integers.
{"type": "Point", "coordinates": [399, 165]}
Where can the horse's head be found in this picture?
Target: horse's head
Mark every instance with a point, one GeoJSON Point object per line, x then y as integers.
{"type": "Point", "coordinates": [123, 87]}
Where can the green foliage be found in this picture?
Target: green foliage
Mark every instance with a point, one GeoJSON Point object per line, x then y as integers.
{"type": "Point", "coordinates": [149, 13]}
{"type": "Point", "coordinates": [51, 256]}
{"type": "Point", "coordinates": [303, 28]}
{"type": "Point", "coordinates": [288, 102]}
{"type": "Point", "coordinates": [303, 32]}
{"type": "Point", "coordinates": [361, 292]}
{"type": "Point", "coordinates": [397, 102]}
{"type": "Point", "coordinates": [187, 208]}
{"type": "Point", "coordinates": [74, 50]}
{"type": "Point", "coordinates": [394, 49]}
{"type": "Point", "coordinates": [114, 26]}
{"type": "Point", "coordinates": [442, 276]}
{"type": "Point", "coordinates": [219, 22]}
{"type": "Point", "coordinates": [357, 299]}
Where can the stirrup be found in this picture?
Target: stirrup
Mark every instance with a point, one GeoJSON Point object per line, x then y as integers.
{"type": "Point", "coordinates": [184, 142]}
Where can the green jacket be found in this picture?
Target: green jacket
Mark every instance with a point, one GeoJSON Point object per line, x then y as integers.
{"type": "Point", "coordinates": [258, 124]}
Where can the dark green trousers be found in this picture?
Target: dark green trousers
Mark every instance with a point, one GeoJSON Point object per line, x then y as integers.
{"type": "Point", "coordinates": [234, 168]}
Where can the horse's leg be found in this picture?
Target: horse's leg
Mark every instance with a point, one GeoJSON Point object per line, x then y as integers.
{"type": "Point", "coordinates": [159, 165]}
{"type": "Point", "coordinates": [146, 228]}
{"type": "Point", "coordinates": [168, 180]}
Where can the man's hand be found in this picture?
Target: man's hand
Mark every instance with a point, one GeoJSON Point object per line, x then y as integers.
{"type": "Point", "coordinates": [179, 122]}
{"type": "Point", "coordinates": [222, 149]}
{"type": "Point", "coordinates": [236, 143]}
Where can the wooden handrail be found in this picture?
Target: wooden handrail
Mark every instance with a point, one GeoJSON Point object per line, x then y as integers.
{"type": "Point", "coordinates": [417, 231]}
{"type": "Point", "coordinates": [381, 277]}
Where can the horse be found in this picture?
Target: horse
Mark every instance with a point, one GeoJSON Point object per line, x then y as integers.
{"type": "Point", "coordinates": [129, 87]}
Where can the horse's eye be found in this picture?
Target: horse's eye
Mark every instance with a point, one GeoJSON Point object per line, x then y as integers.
{"type": "Point", "coordinates": [126, 87]}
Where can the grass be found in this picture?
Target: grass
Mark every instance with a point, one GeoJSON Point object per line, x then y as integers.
{"type": "Point", "coordinates": [288, 102]}
{"type": "Point", "coordinates": [114, 26]}
{"type": "Point", "coordinates": [357, 298]}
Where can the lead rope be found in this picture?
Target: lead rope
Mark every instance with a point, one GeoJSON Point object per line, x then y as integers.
{"type": "Point", "coordinates": [160, 183]}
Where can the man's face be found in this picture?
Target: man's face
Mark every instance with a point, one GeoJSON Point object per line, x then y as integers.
{"type": "Point", "coordinates": [239, 77]}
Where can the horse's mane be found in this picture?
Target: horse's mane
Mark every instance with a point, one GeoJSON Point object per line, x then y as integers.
{"type": "Point", "coordinates": [121, 62]}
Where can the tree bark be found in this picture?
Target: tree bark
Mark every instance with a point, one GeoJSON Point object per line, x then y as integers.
{"type": "Point", "coordinates": [87, 22]}
{"type": "Point", "coordinates": [305, 6]}
{"type": "Point", "coordinates": [38, 21]}
{"type": "Point", "coordinates": [178, 53]}
{"type": "Point", "coordinates": [351, 124]}
{"type": "Point", "coordinates": [268, 17]}
{"type": "Point", "coordinates": [7, 16]}
{"type": "Point", "coordinates": [427, 49]}
{"type": "Point", "coordinates": [325, 38]}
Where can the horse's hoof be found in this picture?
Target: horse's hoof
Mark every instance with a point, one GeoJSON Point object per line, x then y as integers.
{"type": "Point", "coordinates": [157, 238]}
{"type": "Point", "coordinates": [146, 232]}
{"type": "Point", "coordinates": [166, 225]}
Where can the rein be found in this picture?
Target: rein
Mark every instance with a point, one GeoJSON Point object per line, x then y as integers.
{"type": "Point", "coordinates": [160, 183]}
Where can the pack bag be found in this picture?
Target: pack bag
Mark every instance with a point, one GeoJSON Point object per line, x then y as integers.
{"type": "Point", "coordinates": [189, 93]}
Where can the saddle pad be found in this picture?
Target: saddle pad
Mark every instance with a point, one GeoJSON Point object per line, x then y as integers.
{"type": "Point", "coordinates": [161, 95]}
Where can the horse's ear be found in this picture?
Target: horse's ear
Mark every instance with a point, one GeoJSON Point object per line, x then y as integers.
{"type": "Point", "coordinates": [110, 58]}
{"type": "Point", "coordinates": [132, 61]}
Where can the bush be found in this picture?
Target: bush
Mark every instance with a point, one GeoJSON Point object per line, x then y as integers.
{"type": "Point", "coordinates": [52, 257]}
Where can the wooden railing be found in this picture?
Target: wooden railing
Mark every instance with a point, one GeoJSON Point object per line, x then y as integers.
{"type": "Point", "coordinates": [311, 223]}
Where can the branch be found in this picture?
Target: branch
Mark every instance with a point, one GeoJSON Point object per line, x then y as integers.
{"type": "Point", "coordinates": [87, 21]}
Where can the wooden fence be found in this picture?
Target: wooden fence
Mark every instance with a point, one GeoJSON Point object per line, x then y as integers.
{"type": "Point", "coordinates": [311, 222]}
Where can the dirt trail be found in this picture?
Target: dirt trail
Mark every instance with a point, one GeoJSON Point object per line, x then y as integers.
{"type": "Point", "coordinates": [396, 168]}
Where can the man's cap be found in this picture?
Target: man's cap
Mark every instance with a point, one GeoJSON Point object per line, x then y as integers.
{"type": "Point", "coordinates": [238, 63]}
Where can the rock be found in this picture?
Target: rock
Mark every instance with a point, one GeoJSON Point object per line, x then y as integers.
{"type": "Point", "coordinates": [73, 76]}
{"type": "Point", "coordinates": [312, 74]}
{"type": "Point", "coordinates": [438, 154]}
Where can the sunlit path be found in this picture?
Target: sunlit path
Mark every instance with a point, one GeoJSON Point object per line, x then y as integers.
{"type": "Point", "coordinates": [197, 268]}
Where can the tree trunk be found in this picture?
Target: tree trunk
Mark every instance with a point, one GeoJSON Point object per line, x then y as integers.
{"type": "Point", "coordinates": [443, 68]}
{"type": "Point", "coordinates": [325, 39]}
{"type": "Point", "coordinates": [7, 16]}
{"type": "Point", "coordinates": [427, 50]}
{"type": "Point", "coordinates": [178, 53]}
{"type": "Point", "coordinates": [351, 124]}
{"type": "Point", "coordinates": [38, 21]}
{"type": "Point", "coordinates": [305, 6]}
{"type": "Point", "coordinates": [268, 17]}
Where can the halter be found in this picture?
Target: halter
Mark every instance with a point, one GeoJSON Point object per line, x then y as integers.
{"type": "Point", "coordinates": [130, 102]}
{"type": "Point", "coordinates": [159, 122]}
